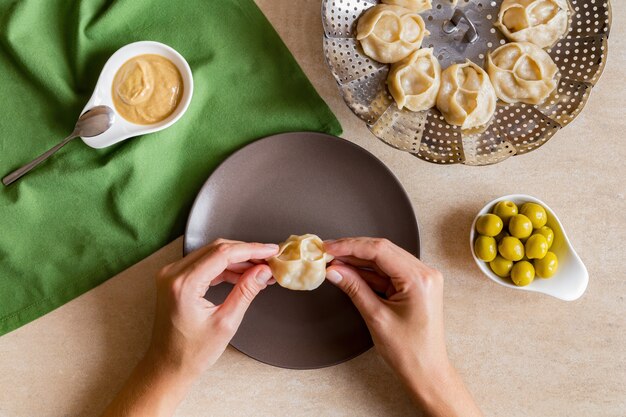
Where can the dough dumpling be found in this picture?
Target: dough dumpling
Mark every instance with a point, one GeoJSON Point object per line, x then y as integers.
{"type": "Point", "coordinates": [415, 5]}
{"type": "Point", "coordinates": [466, 97]}
{"type": "Point", "coordinates": [522, 72]}
{"type": "Point", "coordinates": [542, 22]}
{"type": "Point", "coordinates": [414, 81]}
{"type": "Point", "coordinates": [300, 263]}
{"type": "Point", "coordinates": [390, 33]}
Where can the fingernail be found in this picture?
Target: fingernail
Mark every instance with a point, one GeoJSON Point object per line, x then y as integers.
{"type": "Point", "coordinates": [263, 276]}
{"type": "Point", "coordinates": [334, 276]}
{"type": "Point", "coordinates": [271, 245]}
{"type": "Point", "coordinates": [329, 241]}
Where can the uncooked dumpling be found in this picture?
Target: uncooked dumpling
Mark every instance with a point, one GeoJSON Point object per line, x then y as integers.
{"type": "Point", "coordinates": [300, 263]}
{"type": "Point", "coordinates": [415, 5]}
{"type": "Point", "coordinates": [542, 22]}
{"type": "Point", "coordinates": [390, 33]}
{"type": "Point", "coordinates": [466, 97]}
{"type": "Point", "coordinates": [522, 72]}
{"type": "Point", "coordinates": [414, 81]}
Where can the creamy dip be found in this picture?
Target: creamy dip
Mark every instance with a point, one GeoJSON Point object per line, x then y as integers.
{"type": "Point", "coordinates": [147, 89]}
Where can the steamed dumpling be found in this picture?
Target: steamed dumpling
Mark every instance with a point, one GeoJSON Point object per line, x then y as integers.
{"type": "Point", "coordinates": [390, 33]}
{"type": "Point", "coordinates": [414, 81]}
{"type": "Point", "coordinates": [300, 263]}
{"type": "Point", "coordinates": [542, 22]}
{"type": "Point", "coordinates": [522, 72]}
{"type": "Point", "coordinates": [466, 97]}
{"type": "Point", "coordinates": [415, 5]}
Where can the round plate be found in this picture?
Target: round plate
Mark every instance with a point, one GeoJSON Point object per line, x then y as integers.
{"type": "Point", "coordinates": [515, 129]}
{"type": "Point", "coordinates": [297, 183]}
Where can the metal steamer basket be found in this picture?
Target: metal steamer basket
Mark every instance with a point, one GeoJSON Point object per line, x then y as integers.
{"type": "Point", "coordinates": [515, 128]}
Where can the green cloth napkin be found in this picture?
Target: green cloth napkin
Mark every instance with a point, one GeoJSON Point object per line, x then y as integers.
{"type": "Point", "coordinates": [87, 214]}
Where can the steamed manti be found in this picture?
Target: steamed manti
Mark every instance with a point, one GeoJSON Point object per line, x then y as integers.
{"type": "Point", "coordinates": [300, 263]}
{"type": "Point", "coordinates": [414, 82]}
{"type": "Point", "coordinates": [522, 72]}
{"type": "Point", "coordinates": [414, 5]}
{"type": "Point", "coordinates": [390, 33]}
{"type": "Point", "coordinates": [541, 22]}
{"type": "Point", "coordinates": [466, 97]}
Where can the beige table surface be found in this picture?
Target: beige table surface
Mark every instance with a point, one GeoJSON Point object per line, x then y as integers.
{"type": "Point", "coordinates": [521, 354]}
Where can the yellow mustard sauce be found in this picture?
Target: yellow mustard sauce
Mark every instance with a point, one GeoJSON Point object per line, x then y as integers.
{"type": "Point", "coordinates": [147, 89]}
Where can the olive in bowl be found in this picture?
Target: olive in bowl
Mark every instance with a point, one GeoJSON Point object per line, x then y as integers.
{"type": "Point", "coordinates": [548, 263]}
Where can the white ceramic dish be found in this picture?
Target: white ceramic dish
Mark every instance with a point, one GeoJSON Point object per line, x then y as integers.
{"type": "Point", "coordinates": [123, 129]}
{"type": "Point", "coordinates": [571, 278]}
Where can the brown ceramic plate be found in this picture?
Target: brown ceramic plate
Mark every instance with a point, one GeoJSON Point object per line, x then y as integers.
{"type": "Point", "coordinates": [297, 183]}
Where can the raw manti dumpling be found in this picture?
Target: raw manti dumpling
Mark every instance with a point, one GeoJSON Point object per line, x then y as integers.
{"type": "Point", "coordinates": [522, 71]}
{"type": "Point", "coordinates": [414, 81]}
{"type": "Point", "coordinates": [466, 97]}
{"type": "Point", "coordinates": [300, 263]}
{"type": "Point", "coordinates": [390, 33]}
{"type": "Point", "coordinates": [415, 5]}
{"type": "Point", "coordinates": [542, 22]}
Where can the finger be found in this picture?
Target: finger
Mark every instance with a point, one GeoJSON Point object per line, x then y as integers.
{"type": "Point", "coordinates": [350, 282]}
{"type": "Point", "coordinates": [232, 273]}
{"type": "Point", "coordinates": [240, 267]}
{"type": "Point", "coordinates": [392, 260]}
{"type": "Point", "coordinates": [222, 255]}
{"type": "Point", "coordinates": [361, 263]}
{"type": "Point", "coordinates": [379, 283]}
{"type": "Point", "coordinates": [199, 253]}
{"type": "Point", "coordinates": [247, 288]}
{"type": "Point", "coordinates": [192, 257]}
{"type": "Point", "coordinates": [233, 278]}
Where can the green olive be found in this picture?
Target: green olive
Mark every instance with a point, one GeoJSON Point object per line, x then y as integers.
{"type": "Point", "coordinates": [547, 233]}
{"type": "Point", "coordinates": [489, 225]}
{"type": "Point", "coordinates": [485, 248]}
{"type": "Point", "coordinates": [536, 246]}
{"type": "Point", "coordinates": [501, 267]}
{"type": "Point", "coordinates": [520, 226]}
{"type": "Point", "coordinates": [505, 210]}
{"type": "Point", "coordinates": [547, 266]}
{"type": "Point", "coordinates": [511, 248]}
{"type": "Point", "coordinates": [535, 213]}
{"type": "Point", "coordinates": [523, 273]}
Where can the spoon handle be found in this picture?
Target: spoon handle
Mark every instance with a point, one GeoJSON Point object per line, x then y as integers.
{"type": "Point", "coordinates": [20, 172]}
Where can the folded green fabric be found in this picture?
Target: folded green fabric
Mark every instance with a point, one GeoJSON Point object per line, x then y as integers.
{"type": "Point", "coordinates": [87, 214]}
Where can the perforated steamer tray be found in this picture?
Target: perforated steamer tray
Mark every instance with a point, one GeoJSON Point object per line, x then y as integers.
{"type": "Point", "coordinates": [515, 128]}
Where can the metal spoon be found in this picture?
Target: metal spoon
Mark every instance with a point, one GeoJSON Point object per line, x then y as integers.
{"type": "Point", "coordinates": [93, 122]}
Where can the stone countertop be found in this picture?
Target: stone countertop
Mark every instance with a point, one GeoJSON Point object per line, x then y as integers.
{"type": "Point", "coordinates": [521, 354]}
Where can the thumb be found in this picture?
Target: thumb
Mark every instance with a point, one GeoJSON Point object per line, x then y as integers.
{"type": "Point", "coordinates": [245, 290]}
{"type": "Point", "coordinates": [350, 282]}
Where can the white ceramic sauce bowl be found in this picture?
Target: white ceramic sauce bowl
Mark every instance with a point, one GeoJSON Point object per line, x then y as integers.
{"type": "Point", "coordinates": [571, 279]}
{"type": "Point", "coordinates": [123, 129]}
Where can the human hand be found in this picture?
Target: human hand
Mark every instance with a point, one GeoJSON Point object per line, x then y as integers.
{"type": "Point", "coordinates": [189, 331]}
{"type": "Point", "coordinates": [407, 326]}
{"type": "Point", "coordinates": [407, 323]}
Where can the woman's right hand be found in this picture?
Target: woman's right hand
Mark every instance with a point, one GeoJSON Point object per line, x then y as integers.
{"type": "Point", "coordinates": [407, 323]}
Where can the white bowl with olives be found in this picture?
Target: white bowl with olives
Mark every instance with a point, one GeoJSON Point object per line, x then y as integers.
{"type": "Point", "coordinates": [519, 242]}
